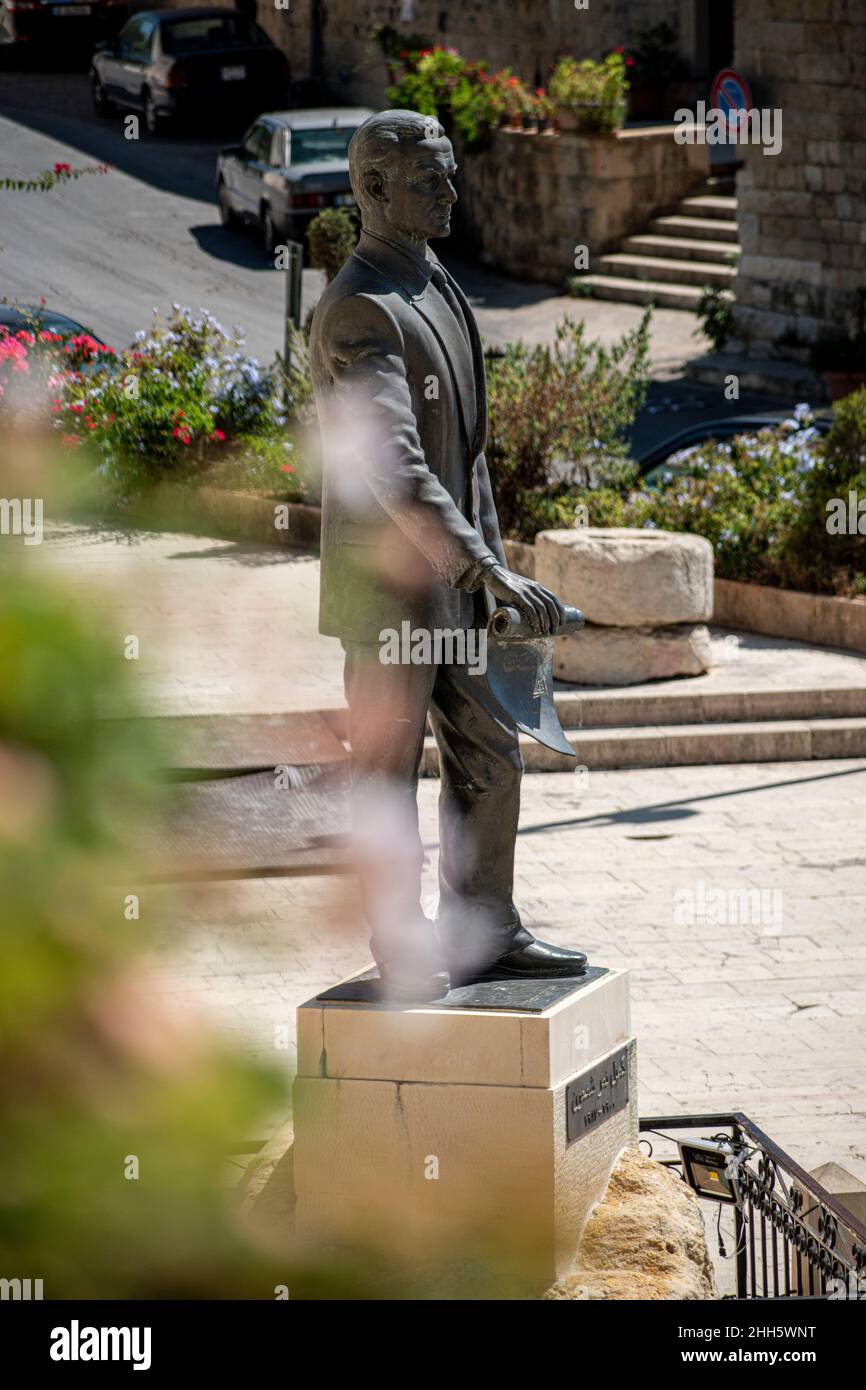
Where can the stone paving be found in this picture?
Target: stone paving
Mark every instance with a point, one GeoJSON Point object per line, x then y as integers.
{"type": "Point", "coordinates": [736, 895]}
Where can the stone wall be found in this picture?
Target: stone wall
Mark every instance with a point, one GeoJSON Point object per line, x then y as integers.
{"type": "Point", "coordinates": [802, 213]}
{"type": "Point", "coordinates": [526, 35]}
{"type": "Point", "coordinates": [528, 200]}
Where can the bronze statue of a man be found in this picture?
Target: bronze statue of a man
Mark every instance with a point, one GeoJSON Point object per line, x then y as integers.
{"type": "Point", "coordinates": [410, 544]}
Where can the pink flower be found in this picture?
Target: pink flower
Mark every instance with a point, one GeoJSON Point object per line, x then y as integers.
{"type": "Point", "coordinates": [217, 436]}
{"type": "Point", "coordinates": [286, 468]}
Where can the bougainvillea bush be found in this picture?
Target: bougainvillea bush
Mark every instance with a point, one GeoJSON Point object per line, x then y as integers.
{"type": "Point", "coordinates": [184, 403]}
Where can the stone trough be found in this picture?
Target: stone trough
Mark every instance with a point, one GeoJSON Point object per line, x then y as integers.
{"type": "Point", "coordinates": [647, 596]}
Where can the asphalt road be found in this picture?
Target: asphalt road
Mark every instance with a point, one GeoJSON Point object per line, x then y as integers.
{"type": "Point", "coordinates": [109, 249]}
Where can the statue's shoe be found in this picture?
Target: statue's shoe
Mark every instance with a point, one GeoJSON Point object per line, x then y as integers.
{"type": "Point", "coordinates": [528, 959]}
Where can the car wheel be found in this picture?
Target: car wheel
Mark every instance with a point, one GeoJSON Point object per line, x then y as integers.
{"type": "Point", "coordinates": [101, 104]}
{"type": "Point", "coordinates": [269, 231]}
{"type": "Point", "coordinates": [228, 216]}
{"type": "Point", "coordinates": [154, 122]}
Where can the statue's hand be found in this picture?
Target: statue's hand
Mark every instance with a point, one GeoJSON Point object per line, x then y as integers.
{"type": "Point", "coordinates": [541, 609]}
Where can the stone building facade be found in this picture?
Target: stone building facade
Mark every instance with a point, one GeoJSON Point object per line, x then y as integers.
{"type": "Point", "coordinates": [525, 35]}
{"type": "Point", "coordinates": [802, 213]}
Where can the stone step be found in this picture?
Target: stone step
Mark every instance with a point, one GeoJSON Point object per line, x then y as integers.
{"type": "Point", "coordinates": [630, 291]}
{"type": "Point", "coordinates": [641, 706]}
{"type": "Point", "coordinates": [685, 745]}
{"type": "Point", "coordinates": [701, 228]}
{"type": "Point", "coordinates": [718, 205]}
{"type": "Point", "coordinates": [683, 248]}
{"type": "Point", "coordinates": [658, 268]}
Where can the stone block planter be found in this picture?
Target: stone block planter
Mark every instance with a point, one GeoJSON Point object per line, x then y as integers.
{"type": "Point", "coordinates": [632, 655]}
{"type": "Point", "coordinates": [646, 595]}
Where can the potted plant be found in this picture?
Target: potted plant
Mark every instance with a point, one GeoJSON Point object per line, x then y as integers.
{"type": "Point", "coordinates": [547, 111]}
{"type": "Point", "coordinates": [529, 110]}
{"type": "Point", "coordinates": [592, 96]}
{"type": "Point", "coordinates": [513, 101]}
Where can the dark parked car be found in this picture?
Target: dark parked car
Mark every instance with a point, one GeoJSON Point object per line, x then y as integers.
{"type": "Point", "coordinates": [187, 63]}
{"type": "Point", "coordinates": [289, 166]}
{"type": "Point", "coordinates": [59, 23]}
{"type": "Point", "coordinates": [38, 319]}
{"type": "Point", "coordinates": [664, 456]}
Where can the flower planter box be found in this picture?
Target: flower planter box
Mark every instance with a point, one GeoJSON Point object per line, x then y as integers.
{"type": "Point", "coordinates": [816, 618]}
{"type": "Point", "coordinates": [235, 515]}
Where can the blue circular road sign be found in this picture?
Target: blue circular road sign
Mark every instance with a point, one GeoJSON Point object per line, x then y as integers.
{"type": "Point", "coordinates": [730, 94]}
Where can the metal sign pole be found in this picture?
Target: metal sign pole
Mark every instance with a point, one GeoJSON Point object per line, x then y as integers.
{"type": "Point", "coordinates": [294, 272]}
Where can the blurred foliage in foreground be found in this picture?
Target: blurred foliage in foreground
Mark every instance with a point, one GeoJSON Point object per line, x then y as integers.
{"type": "Point", "coordinates": [94, 1072]}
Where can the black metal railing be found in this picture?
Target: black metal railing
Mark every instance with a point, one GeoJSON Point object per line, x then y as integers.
{"type": "Point", "coordinates": [793, 1238]}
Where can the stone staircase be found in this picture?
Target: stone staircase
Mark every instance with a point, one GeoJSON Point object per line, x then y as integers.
{"type": "Point", "coordinates": [670, 264]}
{"type": "Point", "coordinates": [681, 728]}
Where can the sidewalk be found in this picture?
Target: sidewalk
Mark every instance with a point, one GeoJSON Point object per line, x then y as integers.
{"type": "Point", "coordinates": [763, 1012]}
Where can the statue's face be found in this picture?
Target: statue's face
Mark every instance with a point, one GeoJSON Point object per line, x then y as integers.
{"type": "Point", "coordinates": [418, 197]}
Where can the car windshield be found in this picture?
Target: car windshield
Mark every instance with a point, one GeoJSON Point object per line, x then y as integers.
{"type": "Point", "coordinates": [213, 31]}
{"type": "Point", "coordinates": [327, 146]}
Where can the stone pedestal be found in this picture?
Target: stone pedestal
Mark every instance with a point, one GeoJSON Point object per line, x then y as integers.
{"type": "Point", "coordinates": [464, 1142]}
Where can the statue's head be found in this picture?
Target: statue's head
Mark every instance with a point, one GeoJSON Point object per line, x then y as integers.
{"type": "Point", "coordinates": [401, 165]}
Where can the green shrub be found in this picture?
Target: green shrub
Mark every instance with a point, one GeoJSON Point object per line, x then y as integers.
{"type": "Point", "coordinates": [331, 238]}
{"type": "Point", "coordinates": [813, 554]}
{"type": "Point", "coordinates": [559, 416]}
{"type": "Point", "coordinates": [716, 316]}
{"type": "Point", "coordinates": [762, 501]}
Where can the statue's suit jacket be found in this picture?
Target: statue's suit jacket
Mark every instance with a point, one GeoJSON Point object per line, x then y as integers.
{"type": "Point", "coordinates": [408, 519]}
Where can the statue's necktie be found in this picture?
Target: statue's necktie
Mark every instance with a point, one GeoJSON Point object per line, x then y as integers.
{"type": "Point", "coordinates": [441, 283]}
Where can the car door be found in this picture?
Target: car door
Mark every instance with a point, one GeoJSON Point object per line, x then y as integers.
{"type": "Point", "coordinates": [109, 63]}
{"type": "Point", "coordinates": [252, 164]}
{"type": "Point", "coordinates": [133, 57]}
